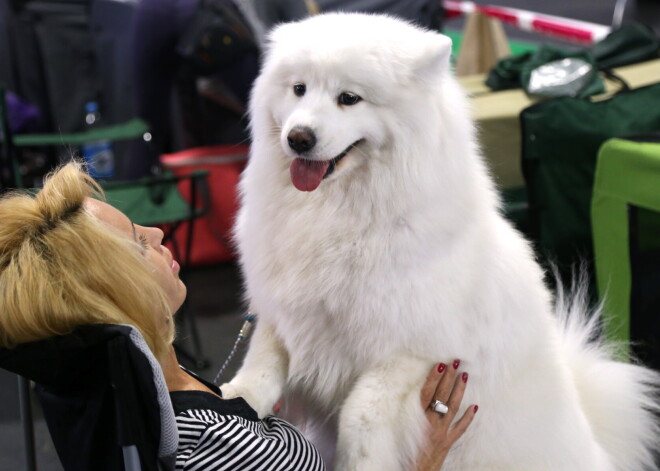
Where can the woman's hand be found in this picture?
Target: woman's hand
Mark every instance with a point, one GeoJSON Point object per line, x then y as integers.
{"type": "Point", "coordinates": [446, 385]}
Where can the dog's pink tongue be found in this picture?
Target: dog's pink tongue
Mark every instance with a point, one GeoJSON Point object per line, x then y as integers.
{"type": "Point", "coordinates": [306, 175]}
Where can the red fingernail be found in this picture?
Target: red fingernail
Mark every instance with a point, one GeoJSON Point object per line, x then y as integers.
{"type": "Point", "coordinates": [475, 409]}
{"type": "Point", "coordinates": [464, 377]}
{"type": "Point", "coordinates": [441, 367]}
{"type": "Point", "coordinates": [456, 364]}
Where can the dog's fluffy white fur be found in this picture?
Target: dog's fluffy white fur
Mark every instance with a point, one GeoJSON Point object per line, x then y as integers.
{"type": "Point", "coordinates": [401, 258]}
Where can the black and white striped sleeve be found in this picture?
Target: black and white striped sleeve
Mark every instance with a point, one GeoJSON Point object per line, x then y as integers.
{"type": "Point", "coordinates": [209, 441]}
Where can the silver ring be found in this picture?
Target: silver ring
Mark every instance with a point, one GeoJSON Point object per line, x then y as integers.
{"type": "Point", "coordinates": [440, 407]}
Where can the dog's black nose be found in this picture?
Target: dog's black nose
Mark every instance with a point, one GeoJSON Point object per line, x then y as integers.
{"type": "Point", "coordinates": [301, 139]}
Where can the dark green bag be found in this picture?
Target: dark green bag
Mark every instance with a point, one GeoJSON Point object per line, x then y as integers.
{"type": "Point", "coordinates": [560, 142]}
{"type": "Point", "coordinates": [629, 44]}
{"type": "Point", "coordinates": [514, 72]}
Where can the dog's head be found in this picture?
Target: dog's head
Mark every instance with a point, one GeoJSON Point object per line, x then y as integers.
{"type": "Point", "coordinates": [336, 90]}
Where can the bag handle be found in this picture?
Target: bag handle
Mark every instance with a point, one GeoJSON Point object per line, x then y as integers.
{"type": "Point", "coordinates": [612, 76]}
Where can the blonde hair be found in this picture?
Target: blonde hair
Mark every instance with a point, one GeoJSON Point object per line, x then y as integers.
{"type": "Point", "coordinates": [60, 267]}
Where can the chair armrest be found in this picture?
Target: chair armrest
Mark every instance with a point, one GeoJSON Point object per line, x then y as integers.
{"type": "Point", "coordinates": [143, 199]}
{"type": "Point", "coordinates": [131, 129]}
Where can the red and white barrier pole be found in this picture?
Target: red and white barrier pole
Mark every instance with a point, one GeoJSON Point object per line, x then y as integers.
{"type": "Point", "coordinates": [572, 30]}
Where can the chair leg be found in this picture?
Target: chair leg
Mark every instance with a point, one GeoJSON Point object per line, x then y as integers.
{"type": "Point", "coordinates": [25, 405]}
{"type": "Point", "coordinates": [186, 316]}
{"type": "Point", "coordinates": [197, 357]}
{"type": "Point", "coordinates": [619, 11]}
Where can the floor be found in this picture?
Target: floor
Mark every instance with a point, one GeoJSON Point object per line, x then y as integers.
{"type": "Point", "coordinates": [215, 291]}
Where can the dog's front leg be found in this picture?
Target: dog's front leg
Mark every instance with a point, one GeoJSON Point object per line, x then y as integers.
{"type": "Point", "coordinates": [381, 423]}
{"type": "Point", "coordinates": [261, 379]}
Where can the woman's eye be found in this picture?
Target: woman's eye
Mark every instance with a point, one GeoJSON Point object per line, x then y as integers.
{"type": "Point", "coordinates": [348, 99]}
{"type": "Point", "coordinates": [299, 89]}
{"type": "Point", "coordinates": [144, 242]}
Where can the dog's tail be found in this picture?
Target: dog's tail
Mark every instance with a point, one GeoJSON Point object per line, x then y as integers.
{"type": "Point", "coordinates": [620, 398]}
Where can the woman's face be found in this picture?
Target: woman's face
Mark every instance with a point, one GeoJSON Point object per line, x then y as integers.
{"type": "Point", "coordinates": [164, 268]}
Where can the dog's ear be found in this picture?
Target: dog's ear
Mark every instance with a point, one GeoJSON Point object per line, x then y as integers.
{"type": "Point", "coordinates": [433, 60]}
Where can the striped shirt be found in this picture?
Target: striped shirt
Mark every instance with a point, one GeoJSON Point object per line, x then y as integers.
{"type": "Point", "coordinates": [218, 434]}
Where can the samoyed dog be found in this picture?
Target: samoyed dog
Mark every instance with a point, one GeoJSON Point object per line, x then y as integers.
{"type": "Point", "coordinates": [373, 245]}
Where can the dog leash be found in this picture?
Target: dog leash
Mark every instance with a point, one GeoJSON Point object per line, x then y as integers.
{"type": "Point", "coordinates": [250, 319]}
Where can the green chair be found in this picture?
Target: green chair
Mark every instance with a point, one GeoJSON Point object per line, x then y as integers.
{"type": "Point", "coordinates": [151, 201]}
{"type": "Point", "coordinates": [158, 201]}
{"type": "Point", "coordinates": [12, 145]}
{"type": "Point", "coordinates": [625, 214]}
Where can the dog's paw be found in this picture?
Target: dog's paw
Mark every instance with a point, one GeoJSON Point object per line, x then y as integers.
{"type": "Point", "coordinates": [231, 390]}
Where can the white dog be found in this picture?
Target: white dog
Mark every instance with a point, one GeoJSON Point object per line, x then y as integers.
{"type": "Point", "coordinates": [373, 245]}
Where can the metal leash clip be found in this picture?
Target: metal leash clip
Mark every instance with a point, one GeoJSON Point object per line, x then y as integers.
{"type": "Point", "coordinates": [250, 319]}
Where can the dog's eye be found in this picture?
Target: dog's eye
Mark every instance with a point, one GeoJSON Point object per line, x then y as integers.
{"type": "Point", "coordinates": [299, 89]}
{"type": "Point", "coordinates": [348, 99]}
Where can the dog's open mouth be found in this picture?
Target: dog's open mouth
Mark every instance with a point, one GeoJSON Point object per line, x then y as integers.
{"type": "Point", "coordinates": [306, 175]}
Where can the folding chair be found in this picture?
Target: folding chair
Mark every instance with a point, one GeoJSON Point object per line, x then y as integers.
{"type": "Point", "coordinates": [625, 215]}
{"type": "Point", "coordinates": [104, 398]}
{"type": "Point", "coordinates": [158, 201]}
{"type": "Point", "coordinates": [12, 144]}
{"type": "Point", "coordinates": [561, 138]}
{"type": "Point", "coordinates": [148, 201]}
{"type": "Point", "coordinates": [10, 176]}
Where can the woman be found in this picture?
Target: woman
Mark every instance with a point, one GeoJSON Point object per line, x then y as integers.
{"type": "Point", "coordinates": [91, 264]}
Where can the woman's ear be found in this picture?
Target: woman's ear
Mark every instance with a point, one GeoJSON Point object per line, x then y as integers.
{"type": "Point", "coordinates": [433, 59]}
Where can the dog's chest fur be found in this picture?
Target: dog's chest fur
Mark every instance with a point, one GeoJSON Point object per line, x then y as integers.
{"type": "Point", "coordinates": [345, 291]}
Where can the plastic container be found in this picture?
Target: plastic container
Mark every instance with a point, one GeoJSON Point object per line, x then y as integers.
{"type": "Point", "coordinates": [97, 154]}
